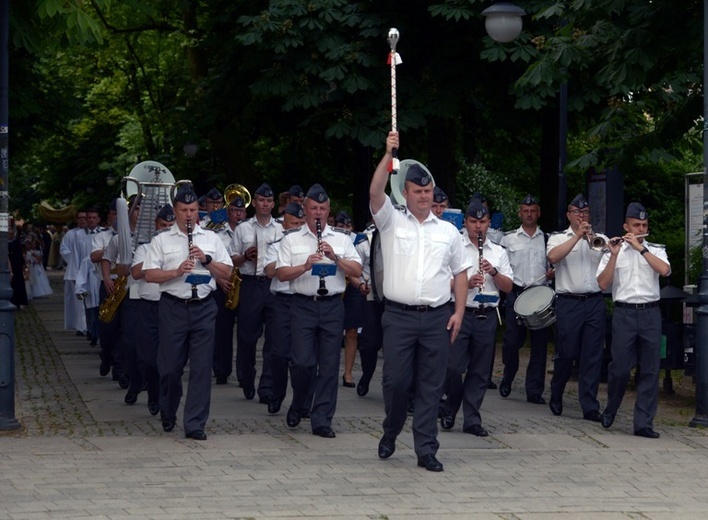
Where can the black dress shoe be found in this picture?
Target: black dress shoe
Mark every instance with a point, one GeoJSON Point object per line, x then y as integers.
{"type": "Point", "coordinates": [607, 419]}
{"type": "Point", "coordinates": [221, 380]}
{"type": "Point", "coordinates": [153, 407]}
{"type": "Point", "coordinates": [411, 406]}
{"type": "Point", "coordinates": [304, 414]}
{"type": "Point", "coordinates": [274, 405]}
{"type": "Point", "coordinates": [593, 416]}
{"type": "Point", "coordinates": [535, 399]}
{"type": "Point", "coordinates": [556, 407]}
{"type": "Point", "coordinates": [430, 463]}
{"type": "Point", "coordinates": [249, 391]}
{"type": "Point", "coordinates": [168, 424]}
{"type": "Point", "coordinates": [504, 388]}
{"type": "Point", "coordinates": [324, 431]}
{"type": "Point", "coordinates": [447, 422]}
{"type": "Point", "coordinates": [362, 388]}
{"type": "Point", "coordinates": [387, 445]}
{"type": "Point", "coordinates": [347, 384]}
{"type": "Point", "coordinates": [476, 429]}
{"type": "Point", "coordinates": [266, 399]}
{"type": "Point", "coordinates": [124, 381]}
{"type": "Point", "coordinates": [490, 385]}
{"type": "Point", "coordinates": [131, 397]}
{"type": "Point", "coordinates": [197, 435]}
{"type": "Point", "coordinates": [292, 419]}
{"type": "Point", "coordinates": [104, 368]}
{"type": "Point", "coordinates": [648, 433]}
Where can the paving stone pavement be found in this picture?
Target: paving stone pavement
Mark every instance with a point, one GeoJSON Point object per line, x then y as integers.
{"type": "Point", "coordinates": [82, 453]}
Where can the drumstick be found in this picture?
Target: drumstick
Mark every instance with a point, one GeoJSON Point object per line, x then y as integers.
{"type": "Point", "coordinates": [536, 280]}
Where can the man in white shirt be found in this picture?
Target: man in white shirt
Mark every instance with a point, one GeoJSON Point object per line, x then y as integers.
{"type": "Point", "coordinates": [632, 267]}
{"type": "Point", "coordinates": [526, 247]}
{"type": "Point", "coordinates": [580, 311]}
{"type": "Point", "coordinates": [317, 309]}
{"type": "Point", "coordinates": [248, 252]}
{"type": "Point", "coordinates": [187, 312]}
{"type": "Point", "coordinates": [422, 256]}
{"type": "Point", "coordinates": [472, 352]}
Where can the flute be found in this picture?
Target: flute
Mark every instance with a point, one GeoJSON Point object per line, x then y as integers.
{"type": "Point", "coordinates": [190, 243]}
{"type": "Point", "coordinates": [619, 240]}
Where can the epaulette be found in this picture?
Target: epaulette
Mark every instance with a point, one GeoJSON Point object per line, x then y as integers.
{"type": "Point", "coordinates": [293, 230]}
{"type": "Point", "coordinates": [279, 220]}
{"type": "Point", "coordinates": [340, 230]}
{"type": "Point", "coordinates": [558, 233]}
{"type": "Point", "coordinates": [158, 231]}
{"type": "Point", "coordinates": [660, 246]}
{"type": "Point", "coordinates": [510, 232]}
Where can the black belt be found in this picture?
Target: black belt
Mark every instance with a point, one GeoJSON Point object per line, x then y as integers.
{"type": "Point", "coordinates": [187, 301]}
{"type": "Point", "coordinates": [517, 289]}
{"type": "Point", "coordinates": [415, 308]}
{"type": "Point", "coordinates": [317, 297]}
{"type": "Point", "coordinates": [283, 295]}
{"type": "Point", "coordinates": [637, 306]}
{"type": "Point", "coordinates": [584, 296]}
{"type": "Point", "coordinates": [254, 277]}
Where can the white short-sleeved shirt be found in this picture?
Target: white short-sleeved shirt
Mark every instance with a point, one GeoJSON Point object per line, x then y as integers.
{"type": "Point", "coordinates": [527, 256]}
{"type": "Point", "coordinates": [169, 249]}
{"type": "Point", "coordinates": [495, 255]}
{"type": "Point", "coordinates": [576, 273]}
{"type": "Point", "coordinates": [276, 286]}
{"type": "Point", "coordinates": [300, 243]}
{"type": "Point", "coordinates": [419, 258]}
{"type": "Point", "coordinates": [251, 233]}
{"type": "Point", "coordinates": [145, 289]}
{"type": "Point", "coordinates": [634, 281]}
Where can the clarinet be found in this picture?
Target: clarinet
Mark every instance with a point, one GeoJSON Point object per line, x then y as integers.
{"type": "Point", "coordinates": [189, 248]}
{"type": "Point", "coordinates": [322, 289]}
{"type": "Point", "coordinates": [480, 314]}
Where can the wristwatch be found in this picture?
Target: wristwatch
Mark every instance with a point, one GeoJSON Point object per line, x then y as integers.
{"type": "Point", "coordinates": [207, 260]}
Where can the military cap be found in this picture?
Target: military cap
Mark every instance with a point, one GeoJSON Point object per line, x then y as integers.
{"type": "Point", "coordinates": [476, 209]}
{"type": "Point", "coordinates": [186, 195]}
{"type": "Point", "coordinates": [528, 200]}
{"type": "Point", "coordinates": [317, 193]}
{"type": "Point", "coordinates": [294, 209]}
{"type": "Point", "coordinates": [237, 202]}
{"type": "Point", "coordinates": [343, 218]}
{"type": "Point", "coordinates": [417, 175]}
{"type": "Point", "coordinates": [579, 201]}
{"type": "Point", "coordinates": [439, 195]}
{"type": "Point", "coordinates": [296, 191]}
{"type": "Point", "coordinates": [214, 194]}
{"type": "Point", "coordinates": [636, 210]}
{"type": "Point", "coordinates": [166, 213]}
{"type": "Point", "coordinates": [264, 190]}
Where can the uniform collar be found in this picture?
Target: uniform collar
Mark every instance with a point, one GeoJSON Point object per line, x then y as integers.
{"type": "Point", "coordinates": [521, 231]}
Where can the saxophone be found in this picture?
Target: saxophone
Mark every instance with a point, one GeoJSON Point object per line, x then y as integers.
{"type": "Point", "coordinates": [107, 310]}
{"type": "Point", "coordinates": [233, 296]}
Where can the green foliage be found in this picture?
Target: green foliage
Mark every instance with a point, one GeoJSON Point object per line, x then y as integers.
{"type": "Point", "coordinates": [502, 196]}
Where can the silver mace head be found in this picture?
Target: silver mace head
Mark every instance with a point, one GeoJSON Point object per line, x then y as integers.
{"type": "Point", "coordinates": [393, 38]}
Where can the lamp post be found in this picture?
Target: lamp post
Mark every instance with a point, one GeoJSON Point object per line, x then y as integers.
{"type": "Point", "coordinates": [7, 309]}
{"type": "Point", "coordinates": [701, 417]}
{"type": "Point", "coordinates": [503, 21]}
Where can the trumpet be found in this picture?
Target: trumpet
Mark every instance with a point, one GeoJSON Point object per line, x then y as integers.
{"type": "Point", "coordinates": [596, 243]}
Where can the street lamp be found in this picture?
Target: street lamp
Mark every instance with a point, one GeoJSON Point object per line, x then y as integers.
{"type": "Point", "coordinates": [503, 21]}
{"type": "Point", "coordinates": [701, 418]}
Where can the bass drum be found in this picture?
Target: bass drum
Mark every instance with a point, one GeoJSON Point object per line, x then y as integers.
{"type": "Point", "coordinates": [376, 266]}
